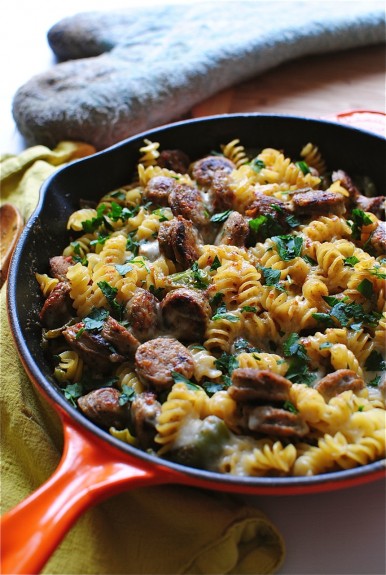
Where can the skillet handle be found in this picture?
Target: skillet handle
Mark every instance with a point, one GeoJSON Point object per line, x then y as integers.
{"type": "Point", "coordinates": [89, 471]}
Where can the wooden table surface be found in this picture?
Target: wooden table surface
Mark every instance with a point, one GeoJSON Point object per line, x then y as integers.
{"type": "Point", "coordinates": [314, 86]}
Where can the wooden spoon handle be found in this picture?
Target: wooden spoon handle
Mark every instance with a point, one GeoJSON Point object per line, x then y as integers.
{"type": "Point", "coordinates": [11, 225]}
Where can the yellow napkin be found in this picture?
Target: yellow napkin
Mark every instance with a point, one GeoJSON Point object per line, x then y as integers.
{"type": "Point", "coordinates": [154, 530]}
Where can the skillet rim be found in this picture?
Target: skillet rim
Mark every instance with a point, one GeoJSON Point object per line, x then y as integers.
{"type": "Point", "coordinates": [335, 479]}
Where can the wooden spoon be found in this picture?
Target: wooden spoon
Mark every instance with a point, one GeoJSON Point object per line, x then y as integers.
{"type": "Point", "coordinates": [11, 225]}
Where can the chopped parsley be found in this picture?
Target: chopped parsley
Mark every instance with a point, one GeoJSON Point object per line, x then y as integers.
{"type": "Point", "coordinates": [123, 269]}
{"type": "Point", "coordinates": [216, 264]}
{"type": "Point", "coordinates": [265, 225]}
{"type": "Point", "coordinates": [303, 167]}
{"type": "Point", "coordinates": [290, 219]}
{"type": "Point", "coordinates": [249, 308]}
{"type": "Point", "coordinates": [366, 288]}
{"type": "Point", "coordinates": [227, 363]}
{"type": "Point", "coordinates": [359, 219]}
{"type": "Point", "coordinates": [272, 278]}
{"type": "Point", "coordinates": [309, 260]}
{"type": "Point", "coordinates": [289, 406]}
{"type": "Point", "coordinates": [351, 261]}
{"type": "Point", "coordinates": [96, 319]}
{"type": "Point", "coordinates": [375, 272]}
{"type": "Point", "coordinates": [222, 313]}
{"type": "Point", "coordinates": [179, 378]}
{"type": "Point", "coordinates": [72, 392]}
{"type": "Point", "coordinates": [288, 247]}
{"type": "Point", "coordinates": [127, 396]}
{"type": "Point", "coordinates": [193, 277]}
{"type": "Point", "coordinates": [298, 370]}
{"type": "Point", "coordinates": [220, 217]}
{"type": "Point", "coordinates": [347, 314]}
{"type": "Point", "coordinates": [110, 292]}
{"type": "Point", "coordinates": [257, 165]}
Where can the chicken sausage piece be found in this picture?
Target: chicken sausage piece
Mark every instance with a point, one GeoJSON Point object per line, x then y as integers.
{"type": "Point", "coordinates": [175, 160]}
{"type": "Point", "coordinates": [203, 170]}
{"type": "Point", "coordinates": [185, 313]}
{"type": "Point", "coordinates": [178, 241]}
{"type": "Point", "coordinates": [144, 413]}
{"type": "Point", "coordinates": [57, 309]}
{"type": "Point", "coordinates": [187, 202]}
{"type": "Point", "coordinates": [318, 202]}
{"type": "Point", "coordinates": [142, 313]}
{"type": "Point", "coordinates": [220, 192]}
{"type": "Point", "coordinates": [59, 267]}
{"type": "Point", "coordinates": [102, 407]}
{"type": "Point", "coordinates": [376, 205]}
{"type": "Point", "coordinates": [264, 205]}
{"type": "Point", "coordinates": [95, 351]}
{"type": "Point", "coordinates": [119, 337]}
{"type": "Point", "coordinates": [234, 231]}
{"type": "Point", "coordinates": [250, 384]}
{"type": "Point", "coordinates": [270, 420]}
{"type": "Point", "coordinates": [157, 359]}
{"type": "Point", "coordinates": [158, 189]}
{"type": "Point", "coordinates": [377, 239]}
{"type": "Point", "coordinates": [339, 381]}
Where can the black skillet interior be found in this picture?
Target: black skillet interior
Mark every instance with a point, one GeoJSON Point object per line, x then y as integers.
{"type": "Point", "coordinates": [45, 235]}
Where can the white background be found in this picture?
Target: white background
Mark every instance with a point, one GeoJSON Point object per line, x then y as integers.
{"type": "Point", "coordinates": [330, 533]}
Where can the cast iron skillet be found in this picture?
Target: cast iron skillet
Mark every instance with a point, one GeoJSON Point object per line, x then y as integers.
{"type": "Point", "coordinates": [94, 464]}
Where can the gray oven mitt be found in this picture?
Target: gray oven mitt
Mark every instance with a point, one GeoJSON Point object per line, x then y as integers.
{"type": "Point", "coordinates": [130, 70]}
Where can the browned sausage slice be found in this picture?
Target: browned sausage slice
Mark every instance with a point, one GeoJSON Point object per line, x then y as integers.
{"type": "Point", "coordinates": [157, 359]}
{"type": "Point", "coordinates": [57, 309]}
{"type": "Point", "coordinates": [119, 337]}
{"type": "Point", "coordinates": [377, 239]}
{"type": "Point", "coordinates": [142, 313]}
{"type": "Point", "coordinates": [186, 201]}
{"type": "Point", "coordinates": [175, 160]}
{"type": "Point", "coordinates": [92, 348]}
{"type": "Point", "coordinates": [203, 170]}
{"type": "Point", "coordinates": [220, 192]}
{"type": "Point", "coordinates": [339, 381]}
{"type": "Point", "coordinates": [59, 267]}
{"type": "Point", "coordinates": [157, 190]}
{"type": "Point", "coordinates": [275, 421]}
{"type": "Point", "coordinates": [185, 313]}
{"type": "Point", "coordinates": [178, 241]}
{"type": "Point", "coordinates": [376, 205]}
{"type": "Point", "coordinates": [234, 231]}
{"type": "Point", "coordinates": [318, 202]}
{"type": "Point", "coordinates": [102, 407]}
{"type": "Point", "coordinates": [250, 384]}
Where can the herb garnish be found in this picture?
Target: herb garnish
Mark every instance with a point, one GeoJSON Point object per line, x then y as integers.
{"type": "Point", "coordinates": [110, 292]}
{"type": "Point", "coordinates": [351, 261]}
{"type": "Point", "coordinates": [222, 313]}
{"type": "Point", "coordinates": [298, 370]}
{"type": "Point", "coordinates": [288, 247]}
{"type": "Point", "coordinates": [220, 217]}
{"type": "Point", "coordinates": [272, 278]}
{"type": "Point", "coordinates": [347, 314]}
{"type": "Point", "coordinates": [359, 219]}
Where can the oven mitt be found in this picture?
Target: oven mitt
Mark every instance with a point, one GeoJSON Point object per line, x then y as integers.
{"type": "Point", "coordinates": [154, 530]}
{"type": "Point", "coordinates": [131, 70]}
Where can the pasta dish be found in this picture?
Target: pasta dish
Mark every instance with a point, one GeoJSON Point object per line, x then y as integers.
{"type": "Point", "coordinates": [227, 312]}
